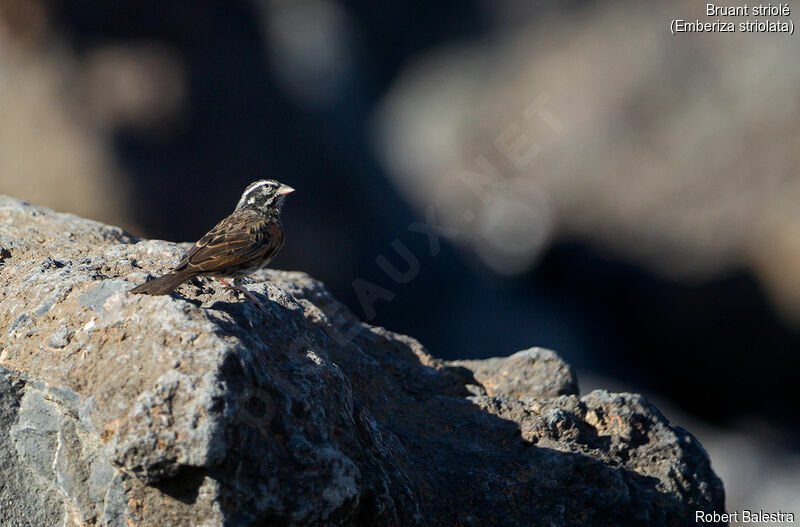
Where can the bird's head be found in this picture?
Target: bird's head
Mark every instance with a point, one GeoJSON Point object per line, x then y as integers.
{"type": "Point", "coordinates": [264, 195]}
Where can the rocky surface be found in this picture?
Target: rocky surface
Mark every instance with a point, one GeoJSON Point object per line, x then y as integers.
{"type": "Point", "coordinates": [198, 409]}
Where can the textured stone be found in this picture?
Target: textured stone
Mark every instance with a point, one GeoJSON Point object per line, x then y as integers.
{"type": "Point", "coordinates": [199, 409]}
{"type": "Point", "coordinates": [535, 372]}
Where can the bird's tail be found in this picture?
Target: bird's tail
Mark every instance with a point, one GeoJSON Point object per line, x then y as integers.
{"type": "Point", "coordinates": [163, 285]}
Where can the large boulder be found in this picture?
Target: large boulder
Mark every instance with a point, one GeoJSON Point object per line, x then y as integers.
{"type": "Point", "coordinates": [200, 409]}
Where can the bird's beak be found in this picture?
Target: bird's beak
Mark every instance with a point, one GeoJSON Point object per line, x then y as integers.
{"type": "Point", "coordinates": [284, 189]}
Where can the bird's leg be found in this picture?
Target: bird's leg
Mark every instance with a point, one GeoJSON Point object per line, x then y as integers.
{"type": "Point", "coordinates": [237, 285]}
{"type": "Point", "coordinates": [226, 284]}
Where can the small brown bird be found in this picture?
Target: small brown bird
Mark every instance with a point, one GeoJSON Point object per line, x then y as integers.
{"type": "Point", "coordinates": [242, 243]}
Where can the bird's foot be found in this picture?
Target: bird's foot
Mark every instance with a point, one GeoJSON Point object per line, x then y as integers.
{"type": "Point", "coordinates": [241, 289]}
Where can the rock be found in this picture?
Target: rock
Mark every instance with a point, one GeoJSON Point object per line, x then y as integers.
{"type": "Point", "coordinates": [535, 372]}
{"type": "Point", "coordinates": [60, 337]}
{"type": "Point", "coordinates": [199, 409]}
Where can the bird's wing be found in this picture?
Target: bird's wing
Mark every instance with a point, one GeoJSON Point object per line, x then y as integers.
{"type": "Point", "coordinates": [240, 240]}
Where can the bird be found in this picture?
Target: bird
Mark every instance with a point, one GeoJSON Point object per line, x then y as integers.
{"type": "Point", "coordinates": [242, 243]}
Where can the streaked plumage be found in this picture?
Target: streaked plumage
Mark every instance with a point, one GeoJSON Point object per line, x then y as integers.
{"type": "Point", "coordinates": [242, 243]}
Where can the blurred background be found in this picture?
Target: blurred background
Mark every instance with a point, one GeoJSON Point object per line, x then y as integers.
{"type": "Point", "coordinates": [500, 174]}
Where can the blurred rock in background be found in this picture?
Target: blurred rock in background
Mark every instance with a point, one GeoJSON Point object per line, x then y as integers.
{"type": "Point", "coordinates": [600, 126]}
{"type": "Point", "coordinates": [620, 194]}
{"type": "Point", "coordinates": [51, 152]}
